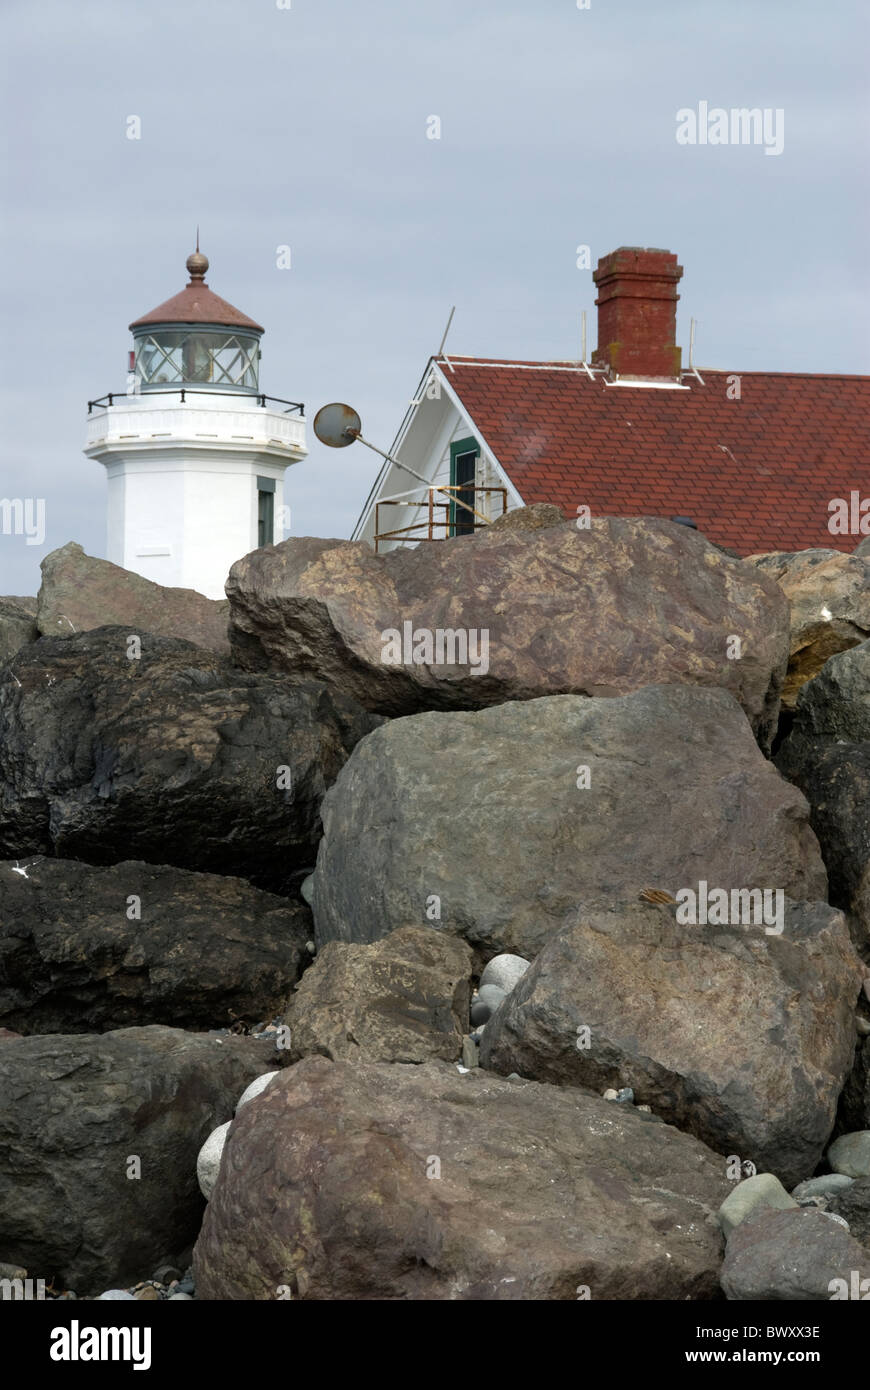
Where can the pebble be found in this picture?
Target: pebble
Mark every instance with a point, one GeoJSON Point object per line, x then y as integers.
{"type": "Point", "coordinates": [504, 971]}
{"type": "Point", "coordinates": [258, 1085]}
{"type": "Point", "coordinates": [610, 1094]}
{"type": "Point", "coordinates": [625, 1096]}
{"type": "Point", "coordinates": [148, 1293]}
{"type": "Point", "coordinates": [177, 1297]}
{"type": "Point", "coordinates": [209, 1159]}
{"type": "Point", "coordinates": [119, 1294]}
{"type": "Point", "coordinates": [166, 1274]}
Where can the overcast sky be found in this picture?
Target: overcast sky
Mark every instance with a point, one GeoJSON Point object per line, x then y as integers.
{"type": "Point", "coordinates": [307, 126]}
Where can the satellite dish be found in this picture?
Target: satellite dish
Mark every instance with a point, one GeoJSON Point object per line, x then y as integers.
{"type": "Point", "coordinates": [337, 425]}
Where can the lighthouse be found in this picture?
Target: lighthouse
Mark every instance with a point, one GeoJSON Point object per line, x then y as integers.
{"type": "Point", "coordinates": [194, 453]}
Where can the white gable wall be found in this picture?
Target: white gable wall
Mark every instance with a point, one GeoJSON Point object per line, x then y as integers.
{"type": "Point", "coordinates": [424, 444]}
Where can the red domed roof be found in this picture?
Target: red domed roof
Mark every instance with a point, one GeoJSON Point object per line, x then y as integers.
{"type": "Point", "coordinates": [196, 303]}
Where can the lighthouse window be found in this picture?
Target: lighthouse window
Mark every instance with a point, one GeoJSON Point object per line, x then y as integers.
{"type": "Point", "coordinates": [265, 517]}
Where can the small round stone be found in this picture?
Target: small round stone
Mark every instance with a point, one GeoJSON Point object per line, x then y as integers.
{"type": "Point", "coordinates": [504, 972]}
{"type": "Point", "coordinates": [117, 1295]}
{"type": "Point", "coordinates": [258, 1085]}
{"type": "Point", "coordinates": [209, 1160]}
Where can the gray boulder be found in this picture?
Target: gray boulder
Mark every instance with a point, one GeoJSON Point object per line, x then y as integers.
{"type": "Point", "coordinates": [173, 758]}
{"type": "Point", "coordinates": [418, 1183]}
{"type": "Point", "coordinates": [790, 1256]}
{"type": "Point", "coordinates": [482, 812]}
{"type": "Point", "coordinates": [76, 1112]}
{"type": "Point", "coordinates": [84, 949]}
{"type": "Point", "coordinates": [829, 601]}
{"type": "Point", "coordinates": [630, 602]}
{"type": "Point", "coordinates": [676, 1012]}
{"type": "Point", "coordinates": [79, 593]}
{"type": "Point", "coordinates": [402, 999]}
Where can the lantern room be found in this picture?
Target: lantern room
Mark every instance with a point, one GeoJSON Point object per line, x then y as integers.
{"type": "Point", "coordinates": [196, 339]}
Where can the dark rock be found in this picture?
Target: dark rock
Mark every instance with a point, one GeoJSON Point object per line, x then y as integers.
{"type": "Point", "coordinates": [531, 1192]}
{"type": "Point", "coordinates": [173, 758]}
{"type": "Point", "coordinates": [17, 628]}
{"type": "Point", "coordinates": [403, 999]}
{"type": "Point", "coordinates": [79, 593]}
{"type": "Point", "coordinates": [790, 1256]}
{"type": "Point", "coordinates": [206, 950]}
{"type": "Point", "coordinates": [677, 1013]}
{"type": "Point", "coordinates": [855, 1100]}
{"type": "Point", "coordinates": [74, 1113]}
{"type": "Point", "coordinates": [483, 811]}
{"type": "Point", "coordinates": [628, 603]}
{"type": "Point", "coordinates": [827, 754]}
{"type": "Point", "coordinates": [853, 1204]}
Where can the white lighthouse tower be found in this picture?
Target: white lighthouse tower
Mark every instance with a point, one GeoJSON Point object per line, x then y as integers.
{"type": "Point", "coordinates": [194, 453]}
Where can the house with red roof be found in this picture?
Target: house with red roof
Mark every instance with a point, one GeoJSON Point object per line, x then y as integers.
{"type": "Point", "coordinates": [757, 461]}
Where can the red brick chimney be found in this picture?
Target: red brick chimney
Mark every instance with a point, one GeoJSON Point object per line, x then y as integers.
{"type": "Point", "coordinates": [637, 313]}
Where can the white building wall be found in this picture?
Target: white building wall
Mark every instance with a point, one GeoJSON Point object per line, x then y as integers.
{"type": "Point", "coordinates": [182, 484]}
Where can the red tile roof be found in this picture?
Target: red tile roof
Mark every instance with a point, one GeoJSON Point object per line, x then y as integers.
{"type": "Point", "coordinates": [755, 474]}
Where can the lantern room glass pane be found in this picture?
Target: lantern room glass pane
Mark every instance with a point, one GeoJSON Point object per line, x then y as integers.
{"type": "Point", "coordinates": [217, 358]}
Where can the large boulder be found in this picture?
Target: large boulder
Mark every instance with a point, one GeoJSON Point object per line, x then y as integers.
{"type": "Point", "coordinates": [379, 1181]}
{"type": "Point", "coordinates": [827, 754]}
{"type": "Point", "coordinates": [403, 999]}
{"type": "Point", "coordinates": [829, 600]}
{"type": "Point", "coordinates": [79, 593]}
{"type": "Point", "coordinates": [678, 1012]}
{"type": "Point", "coordinates": [174, 757]}
{"type": "Point", "coordinates": [76, 1113]}
{"type": "Point", "coordinates": [86, 949]}
{"type": "Point", "coordinates": [629, 602]}
{"type": "Point", "coordinates": [475, 821]}
{"type": "Point", "coordinates": [17, 627]}
{"type": "Point", "coordinates": [792, 1256]}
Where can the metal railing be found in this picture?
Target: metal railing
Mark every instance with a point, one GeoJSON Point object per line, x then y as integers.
{"type": "Point", "coordinates": [295, 407]}
{"type": "Point", "coordinates": [431, 521]}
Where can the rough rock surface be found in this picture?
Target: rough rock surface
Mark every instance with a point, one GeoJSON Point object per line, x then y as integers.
{"type": "Point", "coordinates": [402, 999]}
{"type": "Point", "coordinates": [173, 758]}
{"type": "Point", "coordinates": [74, 1112]}
{"type": "Point", "coordinates": [829, 598]}
{"type": "Point", "coordinates": [483, 811]}
{"type": "Point", "coordinates": [204, 951]}
{"type": "Point", "coordinates": [789, 1256]}
{"type": "Point", "coordinates": [17, 627]}
{"type": "Point", "coordinates": [827, 754]}
{"type": "Point", "coordinates": [741, 1038]}
{"type": "Point", "coordinates": [541, 1190]}
{"type": "Point", "coordinates": [625, 604]}
{"type": "Point", "coordinates": [79, 593]}
{"type": "Point", "coordinates": [853, 1204]}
